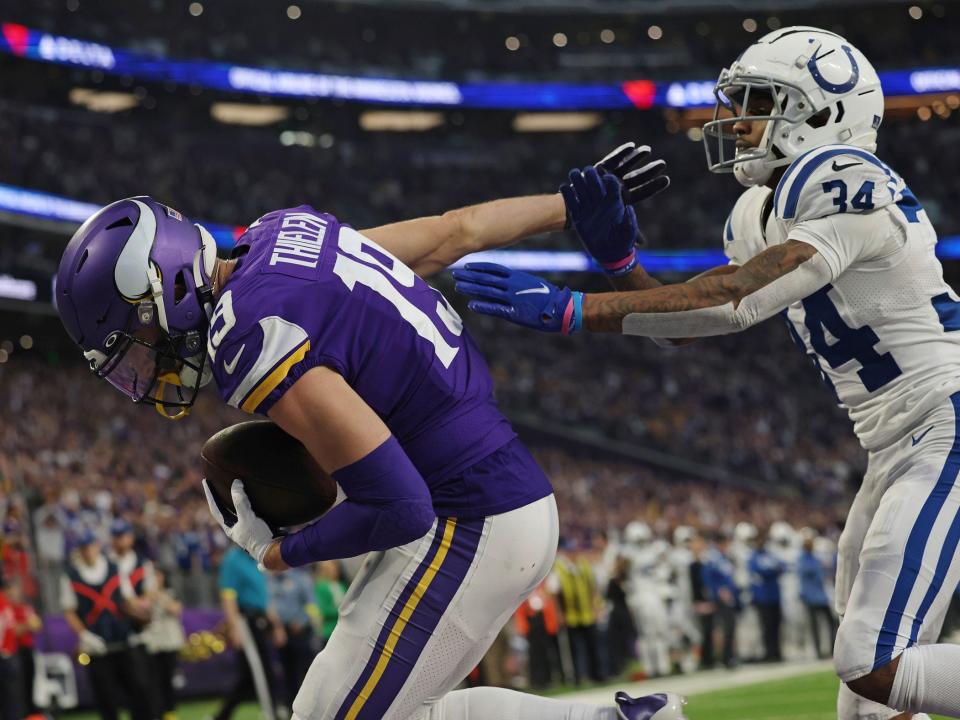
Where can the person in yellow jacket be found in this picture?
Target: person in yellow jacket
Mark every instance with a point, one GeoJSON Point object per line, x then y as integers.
{"type": "Point", "coordinates": [580, 602]}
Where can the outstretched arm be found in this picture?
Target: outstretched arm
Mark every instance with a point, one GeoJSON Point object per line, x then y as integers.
{"type": "Point", "coordinates": [429, 244]}
{"type": "Point", "coordinates": [709, 305]}
{"type": "Point", "coordinates": [640, 279]}
{"type": "Point", "coordinates": [734, 300]}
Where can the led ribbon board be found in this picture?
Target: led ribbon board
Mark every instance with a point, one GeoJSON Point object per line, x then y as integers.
{"type": "Point", "coordinates": [24, 42]}
{"type": "Point", "coordinates": [30, 203]}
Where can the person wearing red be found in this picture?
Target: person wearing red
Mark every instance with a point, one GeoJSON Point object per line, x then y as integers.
{"type": "Point", "coordinates": [26, 624]}
{"type": "Point", "coordinates": [538, 620]}
{"type": "Point", "coordinates": [15, 558]}
{"type": "Point", "coordinates": [11, 684]}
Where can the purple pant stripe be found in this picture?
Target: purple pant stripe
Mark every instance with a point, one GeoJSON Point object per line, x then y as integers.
{"type": "Point", "coordinates": [421, 624]}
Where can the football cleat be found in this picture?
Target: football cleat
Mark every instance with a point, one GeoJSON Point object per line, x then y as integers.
{"type": "Point", "coordinates": [662, 706]}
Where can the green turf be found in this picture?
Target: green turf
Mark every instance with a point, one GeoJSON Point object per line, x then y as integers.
{"type": "Point", "coordinates": [806, 697]}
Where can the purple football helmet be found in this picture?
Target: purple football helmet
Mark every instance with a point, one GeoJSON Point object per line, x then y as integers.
{"type": "Point", "coordinates": [134, 292]}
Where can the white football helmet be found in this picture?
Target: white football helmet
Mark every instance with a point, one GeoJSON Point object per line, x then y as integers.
{"type": "Point", "coordinates": [823, 91]}
{"type": "Point", "coordinates": [683, 534]}
{"type": "Point", "coordinates": [782, 533]}
{"type": "Point", "coordinates": [745, 532]}
{"type": "Point", "coordinates": [637, 533]}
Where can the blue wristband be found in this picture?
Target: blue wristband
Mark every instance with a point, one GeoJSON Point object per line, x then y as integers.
{"type": "Point", "coordinates": [573, 317]}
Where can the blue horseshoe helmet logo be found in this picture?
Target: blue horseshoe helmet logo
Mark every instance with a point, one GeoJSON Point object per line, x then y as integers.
{"type": "Point", "coordinates": [826, 84]}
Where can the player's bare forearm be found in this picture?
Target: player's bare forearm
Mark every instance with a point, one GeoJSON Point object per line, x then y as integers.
{"type": "Point", "coordinates": [228, 601]}
{"type": "Point", "coordinates": [430, 244]}
{"type": "Point", "coordinates": [605, 312]}
{"type": "Point", "coordinates": [273, 560]}
{"type": "Point", "coordinates": [636, 279]}
{"type": "Point", "coordinates": [640, 279]}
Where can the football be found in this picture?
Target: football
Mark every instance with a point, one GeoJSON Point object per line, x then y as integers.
{"type": "Point", "coordinates": [285, 484]}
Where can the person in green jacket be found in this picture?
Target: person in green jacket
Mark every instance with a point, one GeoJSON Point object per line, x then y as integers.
{"type": "Point", "coordinates": [330, 589]}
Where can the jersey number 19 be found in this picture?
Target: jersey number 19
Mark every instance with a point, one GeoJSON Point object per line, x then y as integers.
{"type": "Point", "coordinates": [378, 271]}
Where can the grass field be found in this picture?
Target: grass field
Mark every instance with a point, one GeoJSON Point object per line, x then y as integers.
{"type": "Point", "coordinates": [805, 697]}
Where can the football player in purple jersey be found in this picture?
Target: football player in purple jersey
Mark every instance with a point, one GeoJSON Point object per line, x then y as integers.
{"type": "Point", "coordinates": [333, 334]}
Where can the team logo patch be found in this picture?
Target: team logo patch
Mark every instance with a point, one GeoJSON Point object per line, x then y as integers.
{"type": "Point", "coordinates": [173, 213]}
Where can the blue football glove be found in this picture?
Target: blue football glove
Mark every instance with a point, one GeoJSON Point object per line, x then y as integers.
{"type": "Point", "coordinates": [607, 227]}
{"type": "Point", "coordinates": [520, 297]}
{"type": "Point", "coordinates": [639, 183]}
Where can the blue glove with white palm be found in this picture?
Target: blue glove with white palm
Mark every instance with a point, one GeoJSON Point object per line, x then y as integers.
{"type": "Point", "coordinates": [520, 297]}
{"type": "Point", "coordinates": [600, 200]}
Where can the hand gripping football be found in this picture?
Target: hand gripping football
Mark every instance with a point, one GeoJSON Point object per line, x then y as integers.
{"type": "Point", "coordinates": [285, 484]}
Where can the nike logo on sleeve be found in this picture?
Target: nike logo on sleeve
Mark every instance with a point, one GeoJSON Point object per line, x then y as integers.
{"type": "Point", "coordinates": [838, 168]}
{"type": "Point", "coordinates": [232, 365]}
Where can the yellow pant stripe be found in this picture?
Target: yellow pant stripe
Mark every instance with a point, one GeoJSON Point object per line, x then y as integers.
{"type": "Point", "coordinates": [402, 620]}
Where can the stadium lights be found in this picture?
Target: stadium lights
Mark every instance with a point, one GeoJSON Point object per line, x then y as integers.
{"type": "Point", "coordinates": [400, 120]}
{"type": "Point", "coordinates": [195, 9]}
{"type": "Point", "coordinates": [560, 39]}
{"type": "Point", "coordinates": [556, 122]}
{"type": "Point", "coordinates": [293, 12]}
{"type": "Point", "coordinates": [654, 32]}
{"type": "Point", "coordinates": [916, 12]}
{"type": "Point", "coordinates": [302, 138]}
{"type": "Point", "coordinates": [512, 43]}
{"type": "Point", "coordinates": [15, 288]}
{"type": "Point", "coordinates": [607, 36]}
{"type": "Point", "coordinates": [248, 114]}
{"type": "Point", "coordinates": [103, 101]}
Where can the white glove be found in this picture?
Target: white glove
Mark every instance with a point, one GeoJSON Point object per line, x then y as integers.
{"type": "Point", "coordinates": [92, 644]}
{"type": "Point", "coordinates": [249, 532]}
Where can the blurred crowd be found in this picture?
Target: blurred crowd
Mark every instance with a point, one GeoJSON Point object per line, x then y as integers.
{"type": "Point", "coordinates": [181, 157]}
{"type": "Point", "coordinates": [400, 39]}
{"type": "Point", "coordinates": [652, 597]}
{"type": "Point", "coordinates": [663, 558]}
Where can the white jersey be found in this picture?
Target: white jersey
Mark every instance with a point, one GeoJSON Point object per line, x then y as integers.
{"type": "Point", "coordinates": [883, 332]}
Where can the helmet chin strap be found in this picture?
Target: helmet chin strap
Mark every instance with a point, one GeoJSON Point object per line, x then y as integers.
{"type": "Point", "coordinates": [170, 378]}
{"type": "Point", "coordinates": [752, 172]}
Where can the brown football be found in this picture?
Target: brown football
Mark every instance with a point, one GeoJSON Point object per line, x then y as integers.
{"type": "Point", "coordinates": [285, 484]}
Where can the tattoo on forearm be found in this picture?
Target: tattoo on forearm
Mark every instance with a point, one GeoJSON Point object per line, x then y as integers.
{"type": "Point", "coordinates": [639, 279]}
{"type": "Point", "coordinates": [605, 312]}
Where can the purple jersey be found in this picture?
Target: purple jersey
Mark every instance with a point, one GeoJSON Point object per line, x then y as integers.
{"type": "Point", "coordinates": [308, 291]}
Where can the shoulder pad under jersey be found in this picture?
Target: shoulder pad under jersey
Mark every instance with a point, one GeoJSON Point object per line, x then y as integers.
{"type": "Point", "coordinates": [834, 179]}
{"type": "Point", "coordinates": [252, 351]}
{"type": "Point", "coordinates": [743, 233]}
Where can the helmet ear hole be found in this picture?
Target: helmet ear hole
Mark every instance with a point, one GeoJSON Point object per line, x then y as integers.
{"type": "Point", "coordinates": [122, 222]}
{"type": "Point", "coordinates": [180, 287]}
{"type": "Point", "coordinates": [818, 120]}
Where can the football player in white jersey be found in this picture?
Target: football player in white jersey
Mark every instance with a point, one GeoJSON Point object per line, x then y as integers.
{"type": "Point", "coordinates": [830, 236]}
